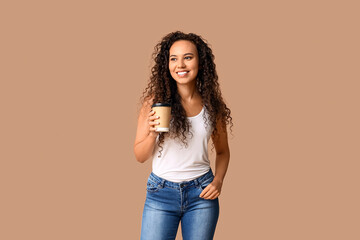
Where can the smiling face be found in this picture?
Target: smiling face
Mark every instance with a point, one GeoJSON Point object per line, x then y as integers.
{"type": "Point", "coordinates": [183, 61]}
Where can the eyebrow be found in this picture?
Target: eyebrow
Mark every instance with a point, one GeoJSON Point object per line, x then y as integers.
{"type": "Point", "coordinates": [184, 54]}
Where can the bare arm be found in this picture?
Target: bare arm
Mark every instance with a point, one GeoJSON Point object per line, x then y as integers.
{"type": "Point", "coordinates": [145, 134]}
{"type": "Point", "coordinates": [213, 190]}
{"type": "Point", "coordinates": [222, 153]}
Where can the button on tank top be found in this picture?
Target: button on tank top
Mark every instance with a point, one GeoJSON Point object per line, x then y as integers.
{"type": "Point", "coordinates": [184, 163]}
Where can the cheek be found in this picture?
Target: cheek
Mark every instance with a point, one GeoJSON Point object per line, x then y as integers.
{"type": "Point", "coordinates": [172, 73]}
{"type": "Point", "coordinates": [171, 68]}
{"type": "Point", "coordinates": [195, 65]}
{"type": "Point", "coordinates": [196, 69]}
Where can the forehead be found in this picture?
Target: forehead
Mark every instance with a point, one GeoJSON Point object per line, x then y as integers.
{"type": "Point", "coordinates": [183, 46]}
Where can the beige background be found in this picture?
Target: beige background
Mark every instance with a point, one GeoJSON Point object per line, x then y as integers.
{"type": "Point", "coordinates": [71, 76]}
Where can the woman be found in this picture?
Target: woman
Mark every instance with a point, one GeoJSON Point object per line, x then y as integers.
{"type": "Point", "coordinates": [182, 186]}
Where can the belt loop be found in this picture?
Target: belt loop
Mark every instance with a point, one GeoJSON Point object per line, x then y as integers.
{"type": "Point", "coordinates": [162, 184]}
{"type": "Point", "coordinates": [196, 182]}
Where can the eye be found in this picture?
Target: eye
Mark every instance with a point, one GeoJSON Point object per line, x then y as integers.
{"type": "Point", "coordinates": [187, 57]}
{"type": "Point", "coordinates": [172, 59]}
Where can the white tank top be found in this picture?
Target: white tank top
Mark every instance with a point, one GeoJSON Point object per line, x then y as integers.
{"type": "Point", "coordinates": [180, 163]}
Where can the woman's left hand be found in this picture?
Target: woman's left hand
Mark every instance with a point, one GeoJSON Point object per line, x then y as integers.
{"type": "Point", "coordinates": [212, 190]}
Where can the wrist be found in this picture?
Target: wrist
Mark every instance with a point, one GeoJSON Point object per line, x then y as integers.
{"type": "Point", "coordinates": [218, 179]}
{"type": "Point", "coordinates": [153, 134]}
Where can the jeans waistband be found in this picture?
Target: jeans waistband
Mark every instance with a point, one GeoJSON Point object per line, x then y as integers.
{"type": "Point", "coordinates": [162, 182]}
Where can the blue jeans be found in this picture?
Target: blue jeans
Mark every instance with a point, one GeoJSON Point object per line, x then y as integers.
{"type": "Point", "coordinates": [168, 203]}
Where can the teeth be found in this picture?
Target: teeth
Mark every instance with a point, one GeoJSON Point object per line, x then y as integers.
{"type": "Point", "coordinates": [182, 73]}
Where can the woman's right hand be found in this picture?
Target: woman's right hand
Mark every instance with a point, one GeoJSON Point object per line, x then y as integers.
{"type": "Point", "coordinates": [152, 123]}
{"type": "Point", "coordinates": [145, 139]}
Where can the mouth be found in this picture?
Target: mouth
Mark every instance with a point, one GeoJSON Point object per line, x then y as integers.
{"type": "Point", "coordinates": [182, 73]}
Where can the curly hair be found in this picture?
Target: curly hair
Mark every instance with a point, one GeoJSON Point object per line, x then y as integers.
{"type": "Point", "coordinates": [163, 88]}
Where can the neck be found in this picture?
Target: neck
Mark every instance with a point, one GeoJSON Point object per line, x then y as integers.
{"type": "Point", "coordinates": [187, 92]}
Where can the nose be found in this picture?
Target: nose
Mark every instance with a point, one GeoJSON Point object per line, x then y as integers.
{"type": "Point", "coordinates": [181, 63]}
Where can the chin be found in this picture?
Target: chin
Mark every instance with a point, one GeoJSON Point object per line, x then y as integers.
{"type": "Point", "coordinates": [184, 81]}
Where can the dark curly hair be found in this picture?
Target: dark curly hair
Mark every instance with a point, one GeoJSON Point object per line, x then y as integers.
{"type": "Point", "coordinates": [163, 88]}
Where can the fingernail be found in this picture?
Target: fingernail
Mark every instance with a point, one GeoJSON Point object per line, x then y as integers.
{"type": "Point", "coordinates": [157, 116]}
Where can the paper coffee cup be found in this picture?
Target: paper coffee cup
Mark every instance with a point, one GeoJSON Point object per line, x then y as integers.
{"type": "Point", "coordinates": [163, 110]}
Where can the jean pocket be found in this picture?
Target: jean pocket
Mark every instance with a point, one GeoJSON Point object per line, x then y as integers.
{"type": "Point", "coordinates": [152, 186]}
{"type": "Point", "coordinates": [204, 184]}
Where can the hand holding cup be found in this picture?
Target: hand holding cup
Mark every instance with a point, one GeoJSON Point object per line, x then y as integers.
{"type": "Point", "coordinates": [152, 123]}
